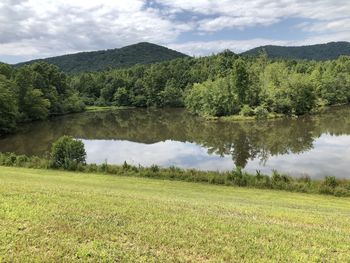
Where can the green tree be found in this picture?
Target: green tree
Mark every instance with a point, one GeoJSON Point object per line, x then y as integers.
{"type": "Point", "coordinates": [302, 94]}
{"type": "Point", "coordinates": [171, 96]}
{"type": "Point", "coordinates": [122, 97]}
{"type": "Point", "coordinates": [6, 70]}
{"type": "Point", "coordinates": [68, 153]}
{"type": "Point", "coordinates": [35, 106]}
{"type": "Point", "coordinates": [240, 80]}
{"type": "Point", "coordinates": [213, 98]}
{"type": "Point", "coordinates": [8, 106]}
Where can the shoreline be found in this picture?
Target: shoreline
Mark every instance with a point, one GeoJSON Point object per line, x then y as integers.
{"type": "Point", "coordinates": [330, 185]}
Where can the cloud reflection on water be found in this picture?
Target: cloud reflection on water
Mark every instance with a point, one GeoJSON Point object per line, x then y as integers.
{"type": "Point", "coordinates": [330, 155]}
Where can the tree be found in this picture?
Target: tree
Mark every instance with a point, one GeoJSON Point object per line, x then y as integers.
{"type": "Point", "coordinates": [302, 94]}
{"type": "Point", "coordinates": [213, 98]}
{"type": "Point", "coordinates": [6, 70]}
{"type": "Point", "coordinates": [122, 97]}
{"type": "Point", "coordinates": [171, 96]}
{"type": "Point", "coordinates": [68, 153]}
{"type": "Point", "coordinates": [241, 80]}
{"type": "Point", "coordinates": [35, 106]}
{"type": "Point", "coordinates": [8, 107]}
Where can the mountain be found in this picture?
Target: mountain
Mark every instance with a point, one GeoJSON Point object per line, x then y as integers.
{"type": "Point", "coordinates": [327, 51]}
{"type": "Point", "coordinates": [141, 53]}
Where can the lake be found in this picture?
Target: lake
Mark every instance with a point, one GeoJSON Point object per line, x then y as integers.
{"type": "Point", "coordinates": [313, 145]}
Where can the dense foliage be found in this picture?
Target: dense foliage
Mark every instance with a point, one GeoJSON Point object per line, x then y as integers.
{"type": "Point", "coordinates": [156, 85]}
{"type": "Point", "coordinates": [142, 53]}
{"type": "Point", "coordinates": [217, 85]}
{"type": "Point", "coordinates": [67, 153]}
{"type": "Point", "coordinates": [327, 51]}
{"type": "Point", "coordinates": [33, 93]}
{"type": "Point", "coordinates": [223, 84]}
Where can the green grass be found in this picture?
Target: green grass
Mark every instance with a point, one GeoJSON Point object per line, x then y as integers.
{"type": "Point", "coordinates": [104, 108]}
{"type": "Point", "coordinates": [56, 216]}
{"type": "Point", "coordinates": [239, 117]}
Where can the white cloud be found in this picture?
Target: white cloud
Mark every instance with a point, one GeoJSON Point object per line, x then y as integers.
{"type": "Point", "coordinates": [203, 48]}
{"type": "Point", "coordinates": [40, 28]}
{"type": "Point", "coordinates": [339, 25]}
{"type": "Point", "coordinates": [55, 27]}
{"type": "Point", "coordinates": [166, 153]}
{"type": "Point", "coordinates": [223, 22]}
{"type": "Point", "coordinates": [242, 13]}
{"type": "Point", "coordinates": [315, 162]}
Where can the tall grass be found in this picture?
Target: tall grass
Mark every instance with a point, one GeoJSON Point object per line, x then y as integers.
{"type": "Point", "coordinates": [329, 185]}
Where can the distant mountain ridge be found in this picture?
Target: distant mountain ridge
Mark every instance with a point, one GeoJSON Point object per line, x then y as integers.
{"type": "Point", "coordinates": [148, 53]}
{"type": "Point", "coordinates": [327, 51]}
{"type": "Point", "coordinates": [141, 53]}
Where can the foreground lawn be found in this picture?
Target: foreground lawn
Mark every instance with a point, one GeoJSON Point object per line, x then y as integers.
{"type": "Point", "coordinates": [60, 216]}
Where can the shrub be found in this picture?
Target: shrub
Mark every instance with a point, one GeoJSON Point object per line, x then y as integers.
{"type": "Point", "coordinates": [329, 185]}
{"type": "Point", "coordinates": [21, 160]}
{"type": "Point", "coordinates": [126, 166]}
{"type": "Point", "coordinates": [261, 112]}
{"type": "Point", "coordinates": [238, 177]}
{"type": "Point", "coordinates": [67, 153]}
{"type": "Point", "coordinates": [246, 111]}
{"type": "Point", "coordinates": [155, 168]}
{"type": "Point", "coordinates": [330, 181]}
{"type": "Point", "coordinates": [280, 181]}
{"type": "Point", "coordinates": [341, 191]}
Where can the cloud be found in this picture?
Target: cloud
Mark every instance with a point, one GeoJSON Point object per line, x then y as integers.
{"type": "Point", "coordinates": [202, 48]}
{"type": "Point", "coordinates": [339, 25]}
{"type": "Point", "coordinates": [262, 10]}
{"type": "Point", "coordinates": [223, 22]}
{"type": "Point", "coordinates": [198, 48]}
{"type": "Point", "coordinates": [54, 27]}
{"type": "Point", "coordinates": [41, 28]}
{"type": "Point", "coordinates": [166, 153]}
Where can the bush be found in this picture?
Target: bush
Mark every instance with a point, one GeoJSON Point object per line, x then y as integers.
{"type": "Point", "coordinates": [238, 177]}
{"type": "Point", "coordinates": [154, 168]}
{"type": "Point", "coordinates": [21, 160]}
{"type": "Point", "coordinates": [330, 181]}
{"type": "Point", "coordinates": [329, 186]}
{"type": "Point", "coordinates": [261, 112]}
{"type": "Point", "coordinates": [246, 111]}
{"type": "Point", "coordinates": [68, 153]}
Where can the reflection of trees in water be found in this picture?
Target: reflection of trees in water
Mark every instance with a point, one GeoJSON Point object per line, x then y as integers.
{"type": "Point", "coordinates": [241, 140]}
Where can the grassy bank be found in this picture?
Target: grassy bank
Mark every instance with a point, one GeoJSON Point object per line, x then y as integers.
{"type": "Point", "coordinates": [237, 117]}
{"type": "Point", "coordinates": [330, 185]}
{"type": "Point", "coordinates": [60, 216]}
{"type": "Point", "coordinates": [105, 108]}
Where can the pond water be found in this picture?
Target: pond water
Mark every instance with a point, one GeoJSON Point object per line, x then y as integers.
{"type": "Point", "coordinates": [316, 146]}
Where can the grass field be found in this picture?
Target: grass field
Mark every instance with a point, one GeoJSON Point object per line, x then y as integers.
{"type": "Point", "coordinates": [63, 217]}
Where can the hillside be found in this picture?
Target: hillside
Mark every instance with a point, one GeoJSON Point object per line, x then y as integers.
{"type": "Point", "coordinates": [327, 51]}
{"type": "Point", "coordinates": [63, 216]}
{"type": "Point", "coordinates": [141, 53]}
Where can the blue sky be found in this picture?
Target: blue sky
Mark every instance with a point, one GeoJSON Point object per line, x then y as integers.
{"type": "Point", "coordinates": [41, 28]}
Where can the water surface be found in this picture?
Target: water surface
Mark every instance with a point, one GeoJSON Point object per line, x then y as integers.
{"type": "Point", "coordinates": [317, 145]}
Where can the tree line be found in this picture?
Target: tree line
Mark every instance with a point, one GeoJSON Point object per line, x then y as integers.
{"type": "Point", "coordinates": [223, 84]}
{"type": "Point", "coordinates": [218, 85]}
{"type": "Point", "coordinates": [34, 92]}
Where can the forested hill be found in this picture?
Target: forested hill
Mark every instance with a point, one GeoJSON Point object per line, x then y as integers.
{"type": "Point", "coordinates": [141, 53]}
{"type": "Point", "coordinates": [327, 51]}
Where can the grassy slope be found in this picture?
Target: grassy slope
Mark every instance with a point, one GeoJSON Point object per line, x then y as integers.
{"type": "Point", "coordinates": [61, 216]}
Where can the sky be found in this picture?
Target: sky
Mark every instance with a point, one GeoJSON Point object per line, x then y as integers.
{"type": "Point", "coordinates": [32, 29]}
